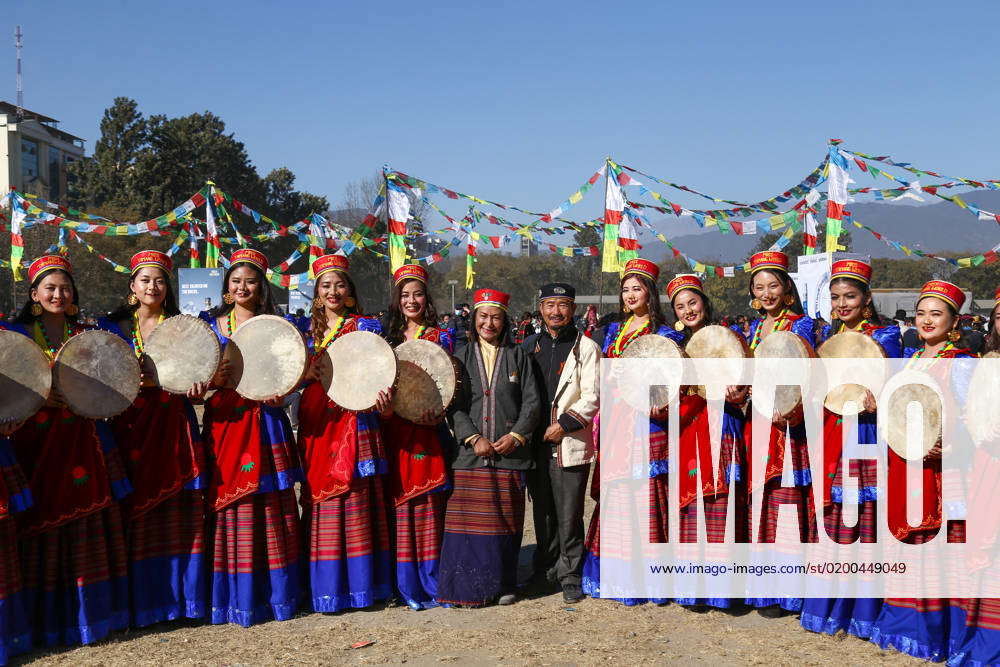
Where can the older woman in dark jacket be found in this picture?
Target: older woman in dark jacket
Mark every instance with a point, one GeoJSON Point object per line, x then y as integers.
{"type": "Point", "coordinates": [496, 410]}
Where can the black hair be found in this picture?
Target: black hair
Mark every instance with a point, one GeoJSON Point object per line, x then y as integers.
{"type": "Point", "coordinates": [836, 326]}
{"type": "Point", "coordinates": [505, 334]}
{"type": "Point", "coordinates": [24, 315]}
{"type": "Point", "coordinates": [656, 317]}
{"type": "Point", "coordinates": [396, 326]}
{"type": "Point", "coordinates": [318, 312]}
{"type": "Point", "coordinates": [787, 283]}
{"type": "Point", "coordinates": [125, 310]}
{"type": "Point", "coordinates": [707, 309]}
{"type": "Point", "coordinates": [265, 304]}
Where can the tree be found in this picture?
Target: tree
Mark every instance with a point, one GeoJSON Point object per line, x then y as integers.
{"type": "Point", "coordinates": [104, 179]}
{"type": "Point", "coordinates": [283, 202]}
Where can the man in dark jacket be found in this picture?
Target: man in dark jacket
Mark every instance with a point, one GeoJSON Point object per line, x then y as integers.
{"type": "Point", "coordinates": [493, 417]}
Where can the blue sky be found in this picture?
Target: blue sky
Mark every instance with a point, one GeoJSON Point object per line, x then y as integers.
{"type": "Point", "coordinates": [521, 101]}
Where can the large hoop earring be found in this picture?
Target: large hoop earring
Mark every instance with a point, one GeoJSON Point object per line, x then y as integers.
{"type": "Point", "coordinates": [954, 335]}
{"type": "Point", "coordinates": [72, 309]}
{"type": "Point", "coordinates": [132, 299]}
{"type": "Point", "coordinates": [36, 309]}
{"type": "Point", "coordinates": [678, 326]}
{"type": "Point", "coordinates": [317, 303]}
{"type": "Point", "coordinates": [866, 312]}
{"type": "Point", "coordinates": [350, 302]}
{"type": "Point", "coordinates": [788, 300]}
{"type": "Point", "coordinates": [228, 298]}
{"type": "Point", "coordinates": [756, 304]}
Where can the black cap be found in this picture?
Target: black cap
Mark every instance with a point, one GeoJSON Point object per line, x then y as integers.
{"type": "Point", "coordinates": [557, 290]}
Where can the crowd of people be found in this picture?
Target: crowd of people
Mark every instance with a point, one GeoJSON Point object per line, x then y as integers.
{"type": "Point", "coordinates": [152, 516]}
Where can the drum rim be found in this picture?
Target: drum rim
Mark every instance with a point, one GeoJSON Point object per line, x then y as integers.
{"type": "Point", "coordinates": [424, 343]}
{"type": "Point", "coordinates": [284, 323]}
{"type": "Point", "coordinates": [327, 351]}
{"type": "Point", "coordinates": [40, 356]}
{"type": "Point", "coordinates": [205, 327]}
{"type": "Point", "coordinates": [134, 361]}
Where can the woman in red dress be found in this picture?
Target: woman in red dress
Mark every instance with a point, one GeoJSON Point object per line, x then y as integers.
{"type": "Point", "coordinates": [72, 544]}
{"type": "Point", "coordinates": [418, 478]}
{"type": "Point", "coordinates": [253, 518]}
{"type": "Point", "coordinates": [165, 459]}
{"type": "Point", "coordinates": [343, 499]}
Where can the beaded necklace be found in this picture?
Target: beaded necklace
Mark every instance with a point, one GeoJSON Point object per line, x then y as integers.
{"type": "Point", "coordinates": [623, 339]}
{"type": "Point", "coordinates": [42, 339]}
{"type": "Point", "coordinates": [137, 344]}
{"type": "Point", "coordinates": [781, 323]}
{"type": "Point", "coordinates": [420, 332]}
{"type": "Point", "coordinates": [341, 323]}
{"type": "Point", "coordinates": [948, 347]}
{"type": "Point", "coordinates": [231, 323]}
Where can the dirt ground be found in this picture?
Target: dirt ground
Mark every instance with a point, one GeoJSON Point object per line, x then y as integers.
{"type": "Point", "coordinates": [537, 631]}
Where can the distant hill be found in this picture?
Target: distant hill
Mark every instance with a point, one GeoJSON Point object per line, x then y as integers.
{"type": "Point", "coordinates": [940, 227]}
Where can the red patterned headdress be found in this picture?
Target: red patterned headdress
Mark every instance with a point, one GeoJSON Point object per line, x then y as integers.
{"type": "Point", "coordinates": [47, 263]}
{"type": "Point", "coordinates": [249, 256]}
{"type": "Point", "coordinates": [328, 263]}
{"type": "Point", "coordinates": [852, 268]}
{"type": "Point", "coordinates": [642, 267]}
{"type": "Point", "coordinates": [684, 281]}
{"type": "Point", "coordinates": [409, 272]}
{"type": "Point", "coordinates": [152, 258]}
{"type": "Point", "coordinates": [945, 291]}
{"type": "Point", "coordinates": [768, 259]}
{"type": "Point", "coordinates": [491, 297]}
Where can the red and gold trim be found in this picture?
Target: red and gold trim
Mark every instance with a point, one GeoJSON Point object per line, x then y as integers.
{"type": "Point", "coordinates": [996, 297]}
{"type": "Point", "coordinates": [47, 263]}
{"type": "Point", "coordinates": [852, 268]}
{"type": "Point", "coordinates": [642, 267]}
{"type": "Point", "coordinates": [153, 258]}
{"type": "Point", "coordinates": [249, 256]}
{"type": "Point", "coordinates": [768, 259]}
{"type": "Point", "coordinates": [684, 281]}
{"type": "Point", "coordinates": [491, 297]}
{"type": "Point", "coordinates": [328, 263]}
{"type": "Point", "coordinates": [409, 272]}
{"type": "Point", "coordinates": [945, 291]}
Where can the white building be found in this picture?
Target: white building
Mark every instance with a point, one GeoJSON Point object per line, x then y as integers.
{"type": "Point", "coordinates": [34, 153]}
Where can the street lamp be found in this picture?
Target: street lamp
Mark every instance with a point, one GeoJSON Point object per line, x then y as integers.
{"type": "Point", "coordinates": [453, 283]}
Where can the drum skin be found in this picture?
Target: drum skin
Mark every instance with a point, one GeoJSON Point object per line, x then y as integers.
{"type": "Point", "coordinates": [25, 377]}
{"type": "Point", "coordinates": [851, 345]}
{"type": "Point", "coordinates": [427, 380]}
{"type": "Point", "coordinates": [97, 374]}
{"type": "Point", "coordinates": [182, 350]}
{"type": "Point", "coordinates": [267, 357]}
{"type": "Point", "coordinates": [714, 341]}
{"type": "Point", "coordinates": [903, 388]}
{"type": "Point", "coordinates": [784, 345]}
{"type": "Point", "coordinates": [355, 368]}
{"type": "Point", "coordinates": [665, 366]}
{"type": "Point", "coordinates": [982, 418]}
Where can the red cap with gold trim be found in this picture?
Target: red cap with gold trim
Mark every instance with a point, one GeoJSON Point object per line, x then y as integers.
{"type": "Point", "coordinates": [249, 256]}
{"type": "Point", "coordinates": [490, 297]}
{"type": "Point", "coordinates": [945, 291]}
{"type": "Point", "coordinates": [996, 297]}
{"type": "Point", "coordinates": [768, 259]}
{"type": "Point", "coordinates": [47, 263]}
{"type": "Point", "coordinates": [328, 263]}
{"type": "Point", "coordinates": [684, 281]}
{"type": "Point", "coordinates": [152, 258]}
{"type": "Point", "coordinates": [409, 272]}
{"type": "Point", "coordinates": [642, 267]}
{"type": "Point", "coordinates": [852, 268]}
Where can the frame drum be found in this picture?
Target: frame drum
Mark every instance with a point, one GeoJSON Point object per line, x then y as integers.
{"type": "Point", "coordinates": [182, 350]}
{"type": "Point", "coordinates": [667, 367]}
{"type": "Point", "coordinates": [787, 346]}
{"type": "Point", "coordinates": [355, 368]}
{"type": "Point", "coordinates": [268, 357]}
{"type": "Point", "coordinates": [427, 379]}
{"type": "Point", "coordinates": [25, 377]}
{"type": "Point", "coordinates": [903, 388]}
{"type": "Point", "coordinates": [718, 342]}
{"type": "Point", "coordinates": [97, 373]}
{"type": "Point", "coordinates": [851, 345]}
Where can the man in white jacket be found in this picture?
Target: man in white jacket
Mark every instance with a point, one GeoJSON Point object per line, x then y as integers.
{"type": "Point", "coordinates": [566, 366]}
